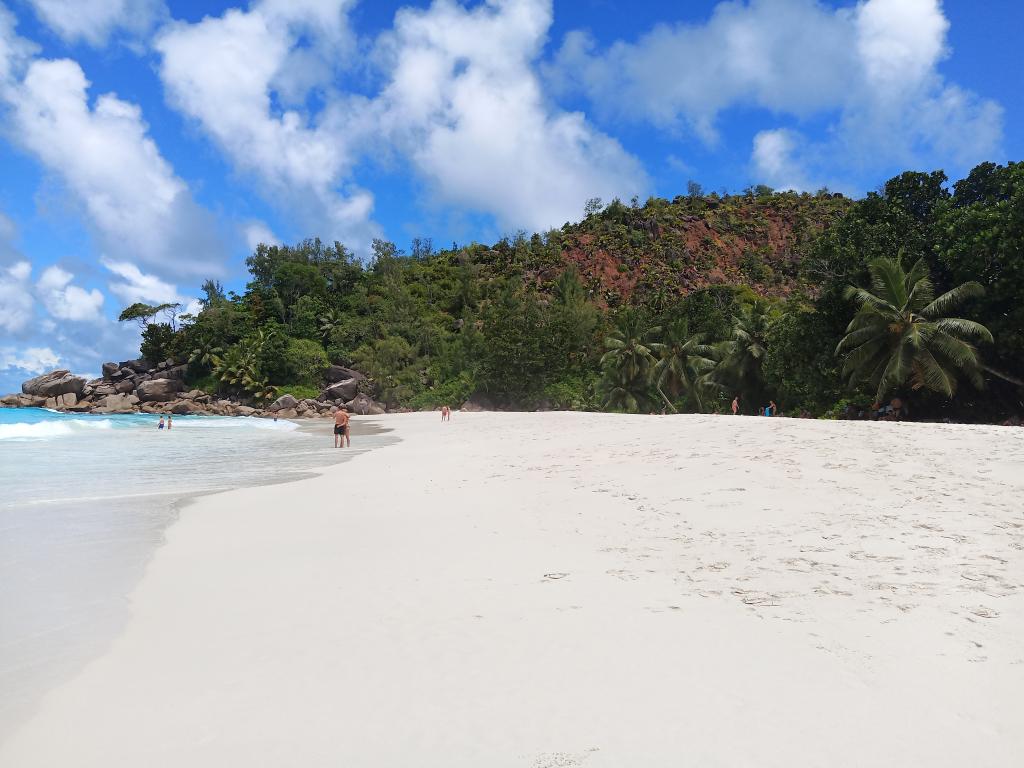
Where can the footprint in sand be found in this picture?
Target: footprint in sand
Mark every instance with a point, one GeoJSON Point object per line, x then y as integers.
{"type": "Point", "coordinates": [983, 612]}
{"type": "Point", "coordinates": [562, 759]}
{"type": "Point", "coordinates": [624, 575]}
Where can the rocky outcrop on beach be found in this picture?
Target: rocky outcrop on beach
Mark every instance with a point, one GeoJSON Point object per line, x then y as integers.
{"type": "Point", "coordinates": [343, 390]}
{"type": "Point", "coordinates": [54, 384]}
{"type": "Point", "coordinates": [159, 390]}
{"type": "Point", "coordinates": [283, 403]}
{"type": "Point", "coordinates": [22, 401]}
{"type": "Point", "coordinates": [364, 406]}
{"type": "Point", "coordinates": [338, 373]}
{"type": "Point", "coordinates": [139, 386]}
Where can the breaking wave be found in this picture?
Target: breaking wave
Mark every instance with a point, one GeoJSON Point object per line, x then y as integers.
{"type": "Point", "coordinates": [48, 430]}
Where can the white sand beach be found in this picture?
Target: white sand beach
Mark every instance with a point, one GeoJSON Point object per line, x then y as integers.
{"type": "Point", "coordinates": [540, 590]}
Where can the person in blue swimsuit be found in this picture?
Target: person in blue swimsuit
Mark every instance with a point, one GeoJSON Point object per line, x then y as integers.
{"type": "Point", "coordinates": [161, 424]}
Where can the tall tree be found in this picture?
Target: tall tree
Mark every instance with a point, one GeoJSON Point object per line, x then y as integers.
{"type": "Point", "coordinates": [630, 360]}
{"type": "Point", "coordinates": [982, 238]}
{"type": "Point", "coordinates": [901, 334]}
{"type": "Point", "coordinates": [142, 313]}
{"type": "Point", "coordinates": [685, 360]}
{"type": "Point", "coordinates": [742, 357]}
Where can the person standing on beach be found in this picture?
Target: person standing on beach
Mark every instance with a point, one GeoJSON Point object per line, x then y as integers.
{"type": "Point", "coordinates": [446, 413]}
{"type": "Point", "coordinates": [161, 424]}
{"type": "Point", "coordinates": [168, 421]}
{"type": "Point", "coordinates": [341, 435]}
{"type": "Point", "coordinates": [736, 405]}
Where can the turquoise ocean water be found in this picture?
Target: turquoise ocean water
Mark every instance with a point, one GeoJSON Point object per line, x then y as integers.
{"type": "Point", "coordinates": [84, 502]}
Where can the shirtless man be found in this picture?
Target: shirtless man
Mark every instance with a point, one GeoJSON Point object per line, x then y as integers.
{"type": "Point", "coordinates": [341, 428]}
{"type": "Point", "coordinates": [446, 413]}
{"type": "Point", "coordinates": [736, 405]}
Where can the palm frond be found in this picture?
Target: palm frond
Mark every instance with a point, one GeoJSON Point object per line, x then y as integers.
{"type": "Point", "coordinates": [899, 334]}
{"type": "Point", "coordinates": [952, 299]}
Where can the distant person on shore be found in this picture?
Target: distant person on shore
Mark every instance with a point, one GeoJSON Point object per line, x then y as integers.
{"type": "Point", "coordinates": [736, 405]}
{"type": "Point", "coordinates": [773, 409]}
{"type": "Point", "coordinates": [897, 409]}
{"type": "Point", "coordinates": [161, 424]}
{"type": "Point", "coordinates": [446, 413]}
{"type": "Point", "coordinates": [341, 435]}
{"type": "Point", "coordinates": [168, 421]}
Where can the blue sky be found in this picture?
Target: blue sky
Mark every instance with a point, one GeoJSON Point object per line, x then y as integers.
{"type": "Point", "coordinates": [148, 144]}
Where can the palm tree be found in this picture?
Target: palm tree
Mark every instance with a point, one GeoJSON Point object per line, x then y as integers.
{"type": "Point", "coordinates": [226, 367]}
{"type": "Point", "coordinates": [630, 360]}
{"type": "Point", "coordinates": [240, 365]}
{"type": "Point", "coordinates": [260, 389]}
{"type": "Point", "coordinates": [206, 353]}
{"type": "Point", "coordinates": [742, 356]}
{"type": "Point", "coordinates": [900, 334]}
{"type": "Point", "coordinates": [685, 361]}
{"type": "Point", "coordinates": [621, 393]}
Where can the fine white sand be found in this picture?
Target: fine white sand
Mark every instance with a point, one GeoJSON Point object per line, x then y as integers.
{"type": "Point", "coordinates": [604, 591]}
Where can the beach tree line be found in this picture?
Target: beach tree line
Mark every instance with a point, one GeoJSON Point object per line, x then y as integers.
{"type": "Point", "coordinates": [913, 291]}
{"type": "Point", "coordinates": [900, 341]}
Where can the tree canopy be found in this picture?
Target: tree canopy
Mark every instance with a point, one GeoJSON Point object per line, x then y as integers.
{"type": "Point", "coordinates": [667, 304]}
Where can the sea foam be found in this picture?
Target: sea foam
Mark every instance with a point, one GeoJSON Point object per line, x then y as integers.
{"type": "Point", "coordinates": [48, 430]}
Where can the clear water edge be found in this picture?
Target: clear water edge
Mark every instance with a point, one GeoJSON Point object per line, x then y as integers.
{"type": "Point", "coordinates": [68, 565]}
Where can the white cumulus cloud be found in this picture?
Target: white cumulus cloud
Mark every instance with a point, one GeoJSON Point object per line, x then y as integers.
{"type": "Point", "coordinates": [101, 150]}
{"type": "Point", "coordinates": [14, 50]}
{"type": "Point", "coordinates": [460, 100]}
{"type": "Point", "coordinates": [775, 159]}
{"type": "Point", "coordinates": [783, 55]}
{"type": "Point", "coordinates": [135, 285]}
{"type": "Point", "coordinates": [103, 153]}
{"type": "Point", "coordinates": [899, 42]}
{"type": "Point", "coordinates": [65, 301]}
{"type": "Point", "coordinates": [33, 360]}
{"type": "Point", "coordinates": [234, 74]}
{"type": "Point", "coordinates": [93, 21]}
{"type": "Point", "coordinates": [257, 232]}
{"type": "Point", "coordinates": [872, 69]}
{"type": "Point", "coordinates": [15, 298]}
{"type": "Point", "coordinates": [465, 104]}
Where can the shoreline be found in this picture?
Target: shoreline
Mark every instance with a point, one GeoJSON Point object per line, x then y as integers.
{"type": "Point", "coordinates": [312, 418]}
{"type": "Point", "coordinates": [579, 589]}
{"type": "Point", "coordinates": [112, 612]}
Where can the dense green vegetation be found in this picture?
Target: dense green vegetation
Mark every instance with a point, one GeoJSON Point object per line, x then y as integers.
{"type": "Point", "coordinates": [815, 301]}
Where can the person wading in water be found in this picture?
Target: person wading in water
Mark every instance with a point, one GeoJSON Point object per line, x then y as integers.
{"type": "Point", "coordinates": [341, 436]}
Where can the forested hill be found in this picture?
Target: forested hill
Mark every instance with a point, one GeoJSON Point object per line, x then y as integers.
{"type": "Point", "coordinates": [668, 305]}
{"type": "Point", "coordinates": [759, 239]}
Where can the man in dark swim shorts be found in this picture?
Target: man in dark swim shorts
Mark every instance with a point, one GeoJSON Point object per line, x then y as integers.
{"type": "Point", "coordinates": [341, 436]}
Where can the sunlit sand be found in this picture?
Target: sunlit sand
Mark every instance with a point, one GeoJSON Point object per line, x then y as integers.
{"type": "Point", "coordinates": [580, 590]}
